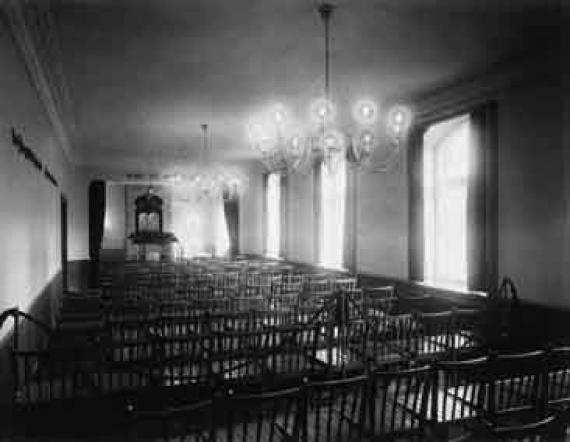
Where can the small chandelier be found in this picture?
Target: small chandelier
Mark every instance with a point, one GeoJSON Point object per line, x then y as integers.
{"type": "Point", "coordinates": [207, 177]}
{"type": "Point", "coordinates": [283, 147]}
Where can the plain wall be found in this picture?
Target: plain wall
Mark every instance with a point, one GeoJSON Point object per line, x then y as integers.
{"type": "Point", "coordinates": [532, 191]}
{"type": "Point", "coordinates": [30, 208]}
{"type": "Point", "coordinates": [29, 203]}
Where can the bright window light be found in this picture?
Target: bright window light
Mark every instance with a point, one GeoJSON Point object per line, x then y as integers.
{"type": "Point", "coordinates": [333, 194]}
{"type": "Point", "coordinates": [273, 239]}
{"type": "Point", "coordinates": [446, 172]}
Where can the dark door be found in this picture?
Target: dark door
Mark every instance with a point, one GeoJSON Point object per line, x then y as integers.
{"type": "Point", "coordinates": [63, 236]}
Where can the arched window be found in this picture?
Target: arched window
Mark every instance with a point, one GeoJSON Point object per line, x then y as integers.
{"type": "Point", "coordinates": [447, 150]}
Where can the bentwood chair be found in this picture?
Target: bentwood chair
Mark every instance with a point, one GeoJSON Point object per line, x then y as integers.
{"type": "Point", "coordinates": [558, 382]}
{"type": "Point", "coordinates": [379, 301]}
{"type": "Point", "coordinates": [262, 417]}
{"type": "Point", "coordinates": [398, 404]}
{"type": "Point", "coordinates": [459, 395]}
{"type": "Point", "coordinates": [547, 429]}
{"type": "Point", "coordinates": [434, 336]}
{"type": "Point", "coordinates": [334, 411]}
{"type": "Point", "coordinates": [516, 384]}
{"type": "Point", "coordinates": [190, 423]}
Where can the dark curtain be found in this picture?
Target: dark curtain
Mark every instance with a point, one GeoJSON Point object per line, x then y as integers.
{"type": "Point", "coordinates": [416, 205]}
{"type": "Point", "coordinates": [350, 219]}
{"type": "Point", "coordinates": [96, 225]}
{"type": "Point", "coordinates": [284, 216]}
{"type": "Point", "coordinates": [482, 200]}
{"type": "Point", "coordinates": [231, 210]}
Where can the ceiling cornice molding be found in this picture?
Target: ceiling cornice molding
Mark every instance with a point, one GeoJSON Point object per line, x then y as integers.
{"type": "Point", "coordinates": [14, 14]}
{"type": "Point", "coordinates": [468, 92]}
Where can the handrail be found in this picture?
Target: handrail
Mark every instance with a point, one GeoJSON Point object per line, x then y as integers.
{"type": "Point", "coordinates": [16, 314]}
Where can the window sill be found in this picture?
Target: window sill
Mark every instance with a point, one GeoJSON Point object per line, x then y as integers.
{"type": "Point", "coordinates": [449, 289]}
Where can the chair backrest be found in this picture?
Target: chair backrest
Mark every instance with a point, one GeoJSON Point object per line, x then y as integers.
{"type": "Point", "coordinates": [468, 328]}
{"type": "Point", "coordinates": [547, 429]}
{"type": "Point", "coordinates": [238, 356]}
{"type": "Point", "coordinates": [391, 340]}
{"type": "Point", "coordinates": [434, 334]}
{"type": "Point", "coordinates": [344, 283]}
{"type": "Point", "coordinates": [459, 390]}
{"type": "Point", "coordinates": [182, 360]}
{"type": "Point", "coordinates": [267, 417]}
{"type": "Point", "coordinates": [558, 382]}
{"type": "Point", "coordinates": [190, 423]}
{"type": "Point", "coordinates": [335, 410]}
{"type": "Point", "coordinates": [380, 292]}
{"type": "Point", "coordinates": [398, 402]}
{"type": "Point", "coordinates": [408, 303]}
{"type": "Point", "coordinates": [516, 382]}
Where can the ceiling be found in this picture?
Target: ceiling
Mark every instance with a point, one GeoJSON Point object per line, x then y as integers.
{"type": "Point", "coordinates": [142, 75]}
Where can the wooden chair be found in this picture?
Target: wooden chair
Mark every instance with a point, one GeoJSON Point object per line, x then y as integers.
{"type": "Point", "coordinates": [459, 395]}
{"type": "Point", "coordinates": [238, 357]}
{"type": "Point", "coordinates": [398, 402]}
{"type": "Point", "coordinates": [408, 303]}
{"type": "Point", "coordinates": [268, 417]}
{"type": "Point", "coordinates": [181, 360]}
{"type": "Point", "coordinates": [190, 423]}
{"type": "Point", "coordinates": [433, 338]}
{"type": "Point", "coordinates": [290, 355]}
{"type": "Point", "coordinates": [391, 341]}
{"type": "Point", "coordinates": [334, 410]}
{"type": "Point", "coordinates": [558, 378]}
{"type": "Point", "coordinates": [547, 429]}
{"type": "Point", "coordinates": [467, 331]}
{"type": "Point", "coordinates": [379, 301]}
{"type": "Point", "coordinates": [516, 384]}
{"type": "Point", "coordinates": [339, 284]}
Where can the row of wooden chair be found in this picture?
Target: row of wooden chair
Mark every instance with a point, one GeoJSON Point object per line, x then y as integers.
{"type": "Point", "coordinates": [267, 346]}
{"type": "Point", "coordinates": [470, 397]}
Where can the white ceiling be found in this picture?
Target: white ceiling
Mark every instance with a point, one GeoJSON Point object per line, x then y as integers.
{"type": "Point", "coordinates": [142, 75]}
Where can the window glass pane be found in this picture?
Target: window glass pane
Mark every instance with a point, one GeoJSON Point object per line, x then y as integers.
{"type": "Point", "coordinates": [333, 193]}
{"type": "Point", "coordinates": [273, 239]}
{"type": "Point", "coordinates": [446, 169]}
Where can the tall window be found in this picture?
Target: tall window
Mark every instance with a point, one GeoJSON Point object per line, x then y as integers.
{"type": "Point", "coordinates": [447, 149]}
{"type": "Point", "coordinates": [273, 219]}
{"type": "Point", "coordinates": [333, 195]}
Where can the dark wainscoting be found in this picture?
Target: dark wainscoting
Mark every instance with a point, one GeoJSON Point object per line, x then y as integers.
{"type": "Point", "coordinates": [535, 325]}
{"type": "Point", "coordinates": [44, 308]}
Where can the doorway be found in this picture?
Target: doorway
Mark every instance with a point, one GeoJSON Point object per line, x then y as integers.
{"type": "Point", "coordinates": [63, 237]}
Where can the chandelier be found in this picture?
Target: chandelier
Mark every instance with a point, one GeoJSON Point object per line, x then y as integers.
{"type": "Point", "coordinates": [207, 176]}
{"type": "Point", "coordinates": [283, 146]}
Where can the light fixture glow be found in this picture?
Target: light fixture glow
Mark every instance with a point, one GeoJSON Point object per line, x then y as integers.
{"type": "Point", "coordinates": [399, 119]}
{"type": "Point", "coordinates": [322, 110]}
{"type": "Point", "coordinates": [365, 112]}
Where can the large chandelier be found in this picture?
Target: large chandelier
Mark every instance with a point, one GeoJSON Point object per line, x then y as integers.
{"type": "Point", "coordinates": [283, 146]}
